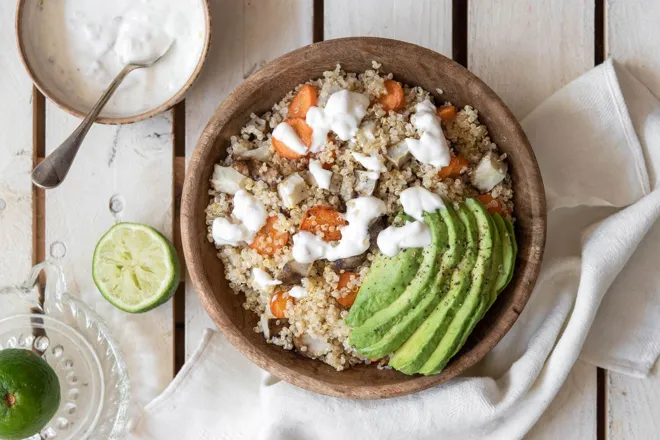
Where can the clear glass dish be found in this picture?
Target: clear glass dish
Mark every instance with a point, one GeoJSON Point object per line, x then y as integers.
{"type": "Point", "coordinates": [40, 315]}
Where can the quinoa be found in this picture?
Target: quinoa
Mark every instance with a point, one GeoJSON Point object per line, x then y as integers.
{"type": "Point", "coordinates": [315, 325]}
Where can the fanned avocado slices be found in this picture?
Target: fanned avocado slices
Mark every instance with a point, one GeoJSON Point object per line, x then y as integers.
{"type": "Point", "coordinates": [508, 255]}
{"type": "Point", "coordinates": [476, 299]}
{"type": "Point", "coordinates": [418, 348]}
{"type": "Point", "coordinates": [388, 277]}
{"type": "Point", "coordinates": [375, 327]}
{"type": "Point", "coordinates": [452, 255]}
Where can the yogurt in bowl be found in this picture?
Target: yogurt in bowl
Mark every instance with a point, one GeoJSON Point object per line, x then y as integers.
{"type": "Point", "coordinates": [73, 49]}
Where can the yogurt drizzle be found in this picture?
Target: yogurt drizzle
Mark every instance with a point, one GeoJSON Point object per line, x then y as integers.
{"type": "Point", "coordinates": [432, 147]}
{"type": "Point", "coordinates": [360, 212]}
{"type": "Point", "coordinates": [249, 216]}
{"type": "Point", "coordinates": [342, 114]}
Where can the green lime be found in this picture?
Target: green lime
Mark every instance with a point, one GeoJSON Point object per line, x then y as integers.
{"type": "Point", "coordinates": [135, 268]}
{"type": "Point", "coordinates": [29, 394]}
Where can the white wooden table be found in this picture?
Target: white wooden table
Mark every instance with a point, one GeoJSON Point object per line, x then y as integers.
{"type": "Point", "coordinates": [524, 49]}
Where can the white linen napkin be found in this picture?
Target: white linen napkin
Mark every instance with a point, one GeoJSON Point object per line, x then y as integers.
{"type": "Point", "coordinates": [598, 144]}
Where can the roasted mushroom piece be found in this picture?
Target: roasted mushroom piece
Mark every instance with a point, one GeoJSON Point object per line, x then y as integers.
{"type": "Point", "coordinates": [263, 171]}
{"type": "Point", "coordinates": [377, 227]}
{"type": "Point", "coordinates": [242, 167]}
{"type": "Point", "coordinates": [293, 272]}
{"type": "Point", "coordinates": [353, 262]}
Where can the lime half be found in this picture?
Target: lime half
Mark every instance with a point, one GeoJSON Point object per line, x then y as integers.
{"type": "Point", "coordinates": [135, 268]}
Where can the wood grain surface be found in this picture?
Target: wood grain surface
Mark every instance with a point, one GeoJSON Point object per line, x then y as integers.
{"type": "Point", "coordinates": [246, 35]}
{"type": "Point", "coordinates": [122, 173]}
{"type": "Point", "coordinates": [15, 157]}
{"type": "Point", "coordinates": [412, 65]}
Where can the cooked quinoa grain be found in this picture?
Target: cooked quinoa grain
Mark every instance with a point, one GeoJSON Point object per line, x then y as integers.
{"type": "Point", "coordinates": [314, 324]}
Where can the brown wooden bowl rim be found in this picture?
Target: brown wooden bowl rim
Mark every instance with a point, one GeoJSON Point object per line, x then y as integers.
{"type": "Point", "coordinates": [114, 120]}
{"type": "Point", "coordinates": [192, 251]}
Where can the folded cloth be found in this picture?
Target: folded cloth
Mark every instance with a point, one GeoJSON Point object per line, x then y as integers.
{"type": "Point", "coordinates": [598, 145]}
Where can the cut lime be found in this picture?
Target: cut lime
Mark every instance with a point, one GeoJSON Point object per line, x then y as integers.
{"type": "Point", "coordinates": [135, 268]}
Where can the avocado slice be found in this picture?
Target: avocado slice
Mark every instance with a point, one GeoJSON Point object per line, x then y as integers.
{"type": "Point", "coordinates": [512, 236]}
{"type": "Point", "coordinates": [375, 327]}
{"type": "Point", "coordinates": [388, 277]}
{"type": "Point", "coordinates": [508, 256]}
{"type": "Point", "coordinates": [418, 348]}
{"type": "Point", "coordinates": [453, 254]}
{"type": "Point", "coordinates": [495, 270]}
{"type": "Point", "coordinates": [477, 298]}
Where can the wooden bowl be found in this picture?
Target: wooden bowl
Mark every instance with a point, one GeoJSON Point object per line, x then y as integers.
{"type": "Point", "coordinates": [38, 69]}
{"type": "Point", "coordinates": [412, 65]}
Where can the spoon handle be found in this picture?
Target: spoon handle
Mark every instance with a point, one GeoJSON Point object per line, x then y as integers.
{"type": "Point", "coordinates": [51, 172]}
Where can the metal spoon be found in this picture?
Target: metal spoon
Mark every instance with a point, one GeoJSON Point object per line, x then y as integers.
{"type": "Point", "coordinates": [52, 171]}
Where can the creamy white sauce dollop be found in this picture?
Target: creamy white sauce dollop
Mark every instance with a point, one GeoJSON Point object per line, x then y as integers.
{"type": "Point", "coordinates": [288, 136]}
{"type": "Point", "coordinates": [298, 292]}
{"type": "Point", "coordinates": [432, 147]}
{"type": "Point", "coordinates": [360, 212]}
{"type": "Point", "coordinates": [322, 176]}
{"type": "Point", "coordinates": [411, 235]}
{"type": "Point", "coordinates": [84, 44]}
{"type": "Point", "coordinates": [248, 217]}
{"type": "Point", "coordinates": [417, 200]}
{"type": "Point", "coordinates": [342, 114]}
{"type": "Point", "coordinates": [374, 163]}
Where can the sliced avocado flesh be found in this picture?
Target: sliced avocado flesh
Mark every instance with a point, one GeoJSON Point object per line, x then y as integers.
{"type": "Point", "coordinates": [375, 327]}
{"type": "Point", "coordinates": [512, 236]}
{"type": "Point", "coordinates": [495, 269]}
{"type": "Point", "coordinates": [388, 277]}
{"type": "Point", "coordinates": [508, 257]}
{"type": "Point", "coordinates": [477, 296]}
{"type": "Point", "coordinates": [452, 255]}
{"type": "Point", "coordinates": [418, 347]}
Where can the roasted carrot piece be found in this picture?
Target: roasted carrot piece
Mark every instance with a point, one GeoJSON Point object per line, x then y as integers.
{"type": "Point", "coordinates": [279, 302]}
{"type": "Point", "coordinates": [455, 168]}
{"type": "Point", "coordinates": [307, 97]}
{"type": "Point", "coordinates": [303, 131]}
{"type": "Point", "coordinates": [344, 279]}
{"type": "Point", "coordinates": [268, 240]}
{"type": "Point", "coordinates": [394, 99]}
{"type": "Point", "coordinates": [323, 219]}
{"type": "Point", "coordinates": [446, 112]}
{"type": "Point", "coordinates": [492, 204]}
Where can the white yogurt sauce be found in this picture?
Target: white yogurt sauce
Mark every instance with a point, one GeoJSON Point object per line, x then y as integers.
{"type": "Point", "coordinates": [411, 235]}
{"type": "Point", "coordinates": [86, 43]}
{"type": "Point", "coordinates": [432, 147]}
{"type": "Point", "coordinates": [298, 292]}
{"type": "Point", "coordinates": [263, 280]}
{"type": "Point", "coordinates": [418, 200]}
{"type": "Point", "coordinates": [288, 136]}
{"type": "Point", "coordinates": [322, 176]}
{"type": "Point", "coordinates": [248, 217]}
{"type": "Point", "coordinates": [342, 114]}
{"type": "Point", "coordinates": [360, 212]}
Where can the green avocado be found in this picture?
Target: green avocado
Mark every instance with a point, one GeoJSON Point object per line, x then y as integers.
{"type": "Point", "coordinates": [375, 327]}
{"type": "Point", "coordinates": [418, 348]}
{"type": "Point", "coordinates": [388, 277]}
{"type": "Point", "coordinates": [477, 298]}
{"type": "Point", "coordinates": [508, 255]}
{"type": "Point", "coordinates": [398, 334]}
{"type": "Point", "coordinates": [495, 270]}
{"type": "Point", "coordinates": [512, 236]}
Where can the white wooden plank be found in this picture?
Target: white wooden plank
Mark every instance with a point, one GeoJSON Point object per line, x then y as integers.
{"type": "Point", "coordinates": [632, 38]}
{"type": "Point", "coordinates": [424, 22]}
{"type": "Point", "coordinates": [526, 50]}
{"type": "Point", "coordinates": [15, 157]}
{"type": "Point", "coordinates": [122, 173]}
{"type": "Point", "coordinates": [246, 34]}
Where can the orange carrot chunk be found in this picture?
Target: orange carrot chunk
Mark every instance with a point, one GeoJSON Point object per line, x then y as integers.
{"type": "Point", "coordinates": [344, 279]}
{"type": "Point", "coordinates": [279, 302]}
{"type": "Point", "coordinates": [307, 97]}
{"type": "Point", "coordinates": [455, 168]}
{"type": "Point", "coordinates": [394, 99]}
{"type": "Point", "coordinates": [323, 219]}
{"type": "Point", "coordinates": [492, 204]}
{"type": "Point", "coordinates": [446, 112]}
{"type": "Point", "coordinates": [268, 240]}
{"type": "Point", "coordinates": [303, 131]}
